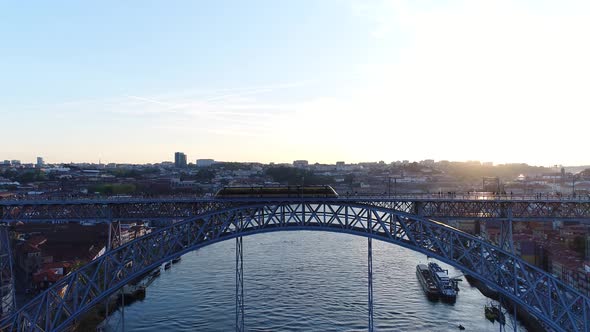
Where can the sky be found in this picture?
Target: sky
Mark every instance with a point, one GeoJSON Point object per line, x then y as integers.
{"type": "Point", "coordinates": [276, 81]}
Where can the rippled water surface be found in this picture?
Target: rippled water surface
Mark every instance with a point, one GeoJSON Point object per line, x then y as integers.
{"type": "Point", "coordinates": [301, 281]}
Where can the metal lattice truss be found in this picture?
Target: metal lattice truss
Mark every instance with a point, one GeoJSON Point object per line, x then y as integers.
{"type": "Point", "coordinates": [106, 210]}
{"type": "Point", "coordinates": [516, 210]}
{"type": "Point", "coordinates": [181, 208]}
{"type": "Point", "coordinates": [558, 305]}
{"type": "Point", "coordinates": [7, 300]}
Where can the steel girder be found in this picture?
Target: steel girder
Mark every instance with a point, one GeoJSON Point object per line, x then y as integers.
{"type": "Point", "coordinates": [370, 281]}
{"type": "Point", "coordinates": [180, 208]}
{"type": "Point", "coordinates": [239, 285]}
{"type": "Point", "coordinates": [558, 305]}
{"type": "Point", "coordinates": [516, 210]}
{"type": "Point", "coordinates": [64, 211]}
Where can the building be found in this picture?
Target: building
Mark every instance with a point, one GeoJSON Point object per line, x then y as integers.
{"type": "Point", "coordinates": [205, 162]}
{"type": "Point", "coordinates": [40, 162]}
{"type": "Point", "coordinates": [300, 163]}
{"type": "Point", "coordinates": [179, 160]}
{"type": "Point", "coordinates": [427, 162]}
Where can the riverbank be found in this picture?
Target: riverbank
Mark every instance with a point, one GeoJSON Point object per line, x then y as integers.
{"type": "Point", "coordinates": [95, 317]}
{"type": "Point", "coordinates": [529, 321]}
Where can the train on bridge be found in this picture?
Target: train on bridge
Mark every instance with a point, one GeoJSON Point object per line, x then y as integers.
{"type": "Point", "coordinates": [277, 191]}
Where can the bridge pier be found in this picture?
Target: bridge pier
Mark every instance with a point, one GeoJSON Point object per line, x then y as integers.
{"type": "Point", "coordinates": [123, 309]}
{"type": "Point", "coordinates": [506, 238]}
{"type": "Point", "coordinates": [370, 281]}
{"type": "Point", "coordinates": [239, 285]}
{"type": "Point", "coordinates": [113, 241]}
{"type": "Point", "coordinates": [7, 300]}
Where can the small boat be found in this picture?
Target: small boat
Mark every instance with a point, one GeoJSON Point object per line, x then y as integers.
{"type": "Point", "coordinates": [167, 265]}
{"type": "Point", "coordinates": [494, 313]}
{"type": "Point", "coordinates": [176, 260]}
{"type": "Point", "coordinates": [461, 327]}
{"type": "Point", "coordinates": [155, 272]}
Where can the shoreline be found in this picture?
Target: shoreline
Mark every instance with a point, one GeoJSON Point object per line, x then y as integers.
{"type": "Point", "coordinates": [529, 321]}
{"type": "Point", "coordinates": [95, 318]}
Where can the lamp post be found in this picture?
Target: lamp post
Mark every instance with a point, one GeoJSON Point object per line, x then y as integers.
{"type": "Point", "coordinates": [394, 184]}
{"type": "Point", "coordinates": [574, 176]}
{"type": "Point", "coordinates": [389, 186]}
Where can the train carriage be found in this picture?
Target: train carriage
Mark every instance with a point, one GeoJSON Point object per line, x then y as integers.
{"type": "Point", "coordinates": [277, 191]}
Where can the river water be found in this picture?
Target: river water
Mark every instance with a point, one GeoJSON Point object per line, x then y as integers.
{"type": "Point", "coordinates": [301, 281]}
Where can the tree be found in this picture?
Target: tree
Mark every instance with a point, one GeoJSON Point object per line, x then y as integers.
{"type": "Point", "coordinates": [31, 176]}
{"type": "Point", "coordinates": [296, 176]}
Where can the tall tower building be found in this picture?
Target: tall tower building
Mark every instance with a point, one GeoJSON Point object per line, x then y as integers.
{"type": "Point", "coordinates": [40, 162]}
{"type": "Point", "coordinates": [179, 160]}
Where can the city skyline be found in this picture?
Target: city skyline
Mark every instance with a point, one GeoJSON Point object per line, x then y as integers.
{"type": "Point", "coordinates": [501, 81]}
{"type": "Point", "coordinates": [192, 160]}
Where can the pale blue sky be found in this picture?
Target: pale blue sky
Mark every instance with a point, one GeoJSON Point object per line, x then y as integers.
{"type": "Point", "coordinates": [324, 80]}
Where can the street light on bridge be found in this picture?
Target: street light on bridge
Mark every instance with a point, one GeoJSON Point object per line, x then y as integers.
{"type": "Point", "coordinates": [394, 184]}
{"type": "Point", "coordinates": [574, 178]}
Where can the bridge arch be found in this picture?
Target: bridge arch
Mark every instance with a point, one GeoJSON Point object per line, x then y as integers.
{"type": "Point", "coordinates": [555, 303]}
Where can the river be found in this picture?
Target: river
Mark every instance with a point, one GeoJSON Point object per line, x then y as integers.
{"type": "Point", "coordinates": [301, 281]}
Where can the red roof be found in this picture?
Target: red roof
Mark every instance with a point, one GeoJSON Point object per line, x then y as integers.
{"type": "Point", "coordinates": [57, 265]}
{"type": "Point", "coordinates": [47, 275]}
{"type": "Point", "coordinates": [27, 248]}
{"type": "Point", "coordinates": [37, 240]}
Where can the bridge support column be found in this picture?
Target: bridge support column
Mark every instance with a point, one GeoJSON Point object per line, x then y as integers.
{"type": "Point", "coordinates": [418, 209]}
{"type": "Point", "coordinates": [370, 281]}
{"type": "Point", "coordinates": [506, 238]}
{"type": "Point", "coordinates": [123, 309]}
{"type": "Point", "coordinates": [113, 241]}
{"type": "Point", "coordinates": [7, 300]}
{"type": "Point", "coordinates": [239, 286]}
{"type": "Point", "coordinates": [114, 235]}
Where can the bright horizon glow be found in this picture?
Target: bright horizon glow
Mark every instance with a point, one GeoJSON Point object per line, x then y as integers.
{"type": "Point", "coordinates": [325, 81]}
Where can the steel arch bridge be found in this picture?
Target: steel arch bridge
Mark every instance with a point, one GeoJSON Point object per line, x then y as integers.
{"type": "Point", "coordinates": [558, 305]}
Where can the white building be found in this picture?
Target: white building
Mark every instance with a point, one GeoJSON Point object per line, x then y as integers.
{"type": "Point", "coordinates": [205, 162]}
{"type": "Point", "coordinates": [301, 163]}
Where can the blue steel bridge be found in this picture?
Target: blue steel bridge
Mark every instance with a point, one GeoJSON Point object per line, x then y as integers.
{"type": "Point", "coordinates": [411, 221]}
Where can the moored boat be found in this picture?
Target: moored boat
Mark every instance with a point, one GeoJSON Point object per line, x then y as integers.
{"type": "Point", "coordinates": [176, 260]}
{"type": "Point", "coordinates": [155, 272]}
{"type": "Point", "coordinates": [427, 282]}
{"type": "Point", "coordinates": [447, 286]}
{"type": "Point", "coordinates": [167, 265]}
{"type": "Point", "coordinates": [494, 312]}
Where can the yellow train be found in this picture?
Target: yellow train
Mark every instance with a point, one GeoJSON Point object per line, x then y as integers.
{"type": "Point", "coordinates": [277, 191]}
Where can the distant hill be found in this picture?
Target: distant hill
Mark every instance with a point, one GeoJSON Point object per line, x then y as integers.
{"type": "Point", "coordinates": [576, 169]}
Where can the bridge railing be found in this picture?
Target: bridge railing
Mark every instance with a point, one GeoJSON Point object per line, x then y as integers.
{"type": "Point", "coordinates": [350, 196]}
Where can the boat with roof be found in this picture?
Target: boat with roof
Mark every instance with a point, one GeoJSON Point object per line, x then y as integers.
{"type": "Point", "coordinates": [447, 286]}
{"type": "Point", "coordinates": [427, 281]}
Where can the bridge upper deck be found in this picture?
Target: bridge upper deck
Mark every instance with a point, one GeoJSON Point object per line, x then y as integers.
{"type": "Point", "coordinates": [443, 206]}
